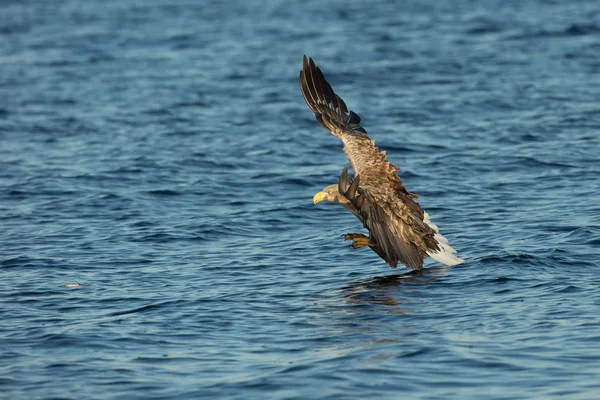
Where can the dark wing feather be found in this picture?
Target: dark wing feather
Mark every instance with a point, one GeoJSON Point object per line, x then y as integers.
{"type": "Point", "coordinates": [393, 237]}
{"type": "Point", "coordinates": [387, 233]}
{"type": "Point", "coordinates": [330, 110]}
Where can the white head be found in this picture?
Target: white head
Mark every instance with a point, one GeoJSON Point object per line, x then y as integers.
{"type": "Point", "coordinates": [332, 194]}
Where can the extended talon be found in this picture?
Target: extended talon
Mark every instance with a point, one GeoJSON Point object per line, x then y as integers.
{"type": "Point", "coordinates": [358, 239]}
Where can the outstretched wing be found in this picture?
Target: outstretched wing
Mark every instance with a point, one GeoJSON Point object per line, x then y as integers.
{"type": "Point", "coordinates": [331, 112]}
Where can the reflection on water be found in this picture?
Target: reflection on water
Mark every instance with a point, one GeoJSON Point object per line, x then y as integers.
{"type": "Point", "coordinates": [384, 289]}
{"type": "Point", "coordinates": [380, 312]}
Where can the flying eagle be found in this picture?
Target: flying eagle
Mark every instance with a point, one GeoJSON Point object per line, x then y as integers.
{"type": "Point", "coordinates": [399, 229]}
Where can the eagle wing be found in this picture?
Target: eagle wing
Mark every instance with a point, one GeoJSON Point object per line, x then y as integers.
{"type": "Point", "coordinates": [332, 113]}
{"type": "Point", "coordinates": [397, 233]}
{"type": "Point", "coordinates": [330, 110]}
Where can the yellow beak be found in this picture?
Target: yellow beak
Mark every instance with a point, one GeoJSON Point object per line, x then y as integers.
{"type": "Point", "coordinates": [319, 197]}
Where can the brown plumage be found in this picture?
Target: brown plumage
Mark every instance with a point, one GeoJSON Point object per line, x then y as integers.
{"type": "Point", "coordinates": [399, 229]}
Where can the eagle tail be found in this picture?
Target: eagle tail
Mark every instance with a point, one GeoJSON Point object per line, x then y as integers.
{"type": "Point", "coordinates": [445, 253]}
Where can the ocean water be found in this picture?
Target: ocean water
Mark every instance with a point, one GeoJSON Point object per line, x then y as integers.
{"type": "Point", "coordinates": [160, 155]}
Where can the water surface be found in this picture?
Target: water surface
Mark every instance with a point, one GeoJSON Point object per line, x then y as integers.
{"type": "Point", "coordinates": [160, 154]}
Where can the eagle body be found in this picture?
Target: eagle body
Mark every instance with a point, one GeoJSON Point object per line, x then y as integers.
{"type": "Point", "coordinates": [399, 229]}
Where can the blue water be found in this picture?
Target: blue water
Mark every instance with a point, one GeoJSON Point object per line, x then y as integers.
{"type": "Point", "coordinates": [160, 154]}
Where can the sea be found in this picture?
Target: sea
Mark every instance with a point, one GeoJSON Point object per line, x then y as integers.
{"type": "Point", "coordinates": [158, 237]}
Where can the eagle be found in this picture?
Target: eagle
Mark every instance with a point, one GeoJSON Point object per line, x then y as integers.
{"type": "Point", "coordinates": [399, 229]}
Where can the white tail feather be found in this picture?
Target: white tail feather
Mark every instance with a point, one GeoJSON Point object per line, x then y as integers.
{"type": "Point", "coordinates": [446, 253]}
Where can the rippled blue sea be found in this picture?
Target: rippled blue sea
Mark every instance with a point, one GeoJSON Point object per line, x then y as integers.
{"type": "Point", "coordinates": [159, 153]}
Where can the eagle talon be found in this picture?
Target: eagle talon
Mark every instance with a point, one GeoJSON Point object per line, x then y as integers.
{"type": "Point", "coordinates": [358, 239]}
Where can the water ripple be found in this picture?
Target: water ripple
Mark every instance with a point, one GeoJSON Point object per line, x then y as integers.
{"type": "Point", "coordinates": [161, 156]}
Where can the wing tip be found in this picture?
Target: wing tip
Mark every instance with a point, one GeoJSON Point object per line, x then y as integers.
{"type": "Point", "coordinates": [329, 108]}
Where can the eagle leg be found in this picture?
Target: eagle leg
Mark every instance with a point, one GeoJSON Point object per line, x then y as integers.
{"type": "Point", "coordinates": [358, 239]}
